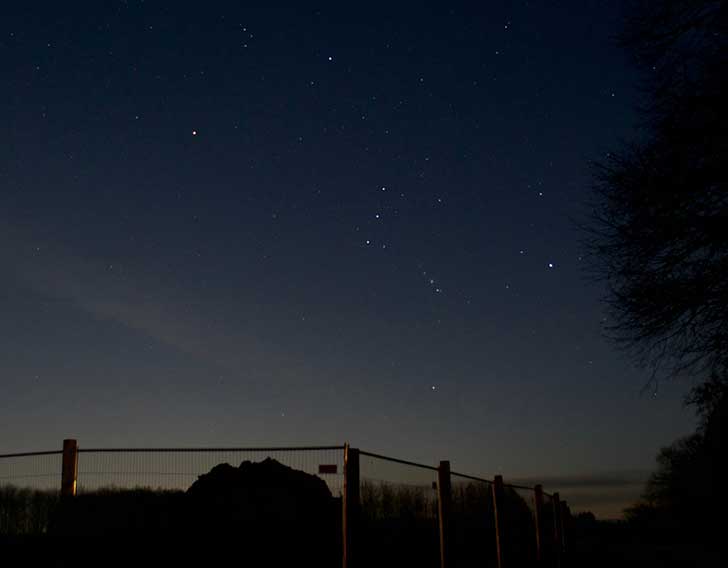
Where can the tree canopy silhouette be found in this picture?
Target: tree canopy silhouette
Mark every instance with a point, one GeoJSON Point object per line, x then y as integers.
{"type": "Point", "coordinates": [659, 229]}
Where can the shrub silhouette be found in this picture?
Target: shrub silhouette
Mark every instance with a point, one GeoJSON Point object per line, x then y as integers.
{"type": "Point", "coordinates": [398, 525]}
{"type": "Point", "coordinates": [25, 511]}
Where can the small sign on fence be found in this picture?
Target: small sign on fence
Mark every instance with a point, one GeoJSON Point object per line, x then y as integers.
{"type": "Point", "coordinates": [328, 468]}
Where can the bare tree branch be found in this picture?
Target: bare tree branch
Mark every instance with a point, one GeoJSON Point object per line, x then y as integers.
{"type": "Point", "coordinates": [658, 233]}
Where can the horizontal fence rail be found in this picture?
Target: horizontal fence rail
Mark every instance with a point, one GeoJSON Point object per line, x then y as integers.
{"type": "Point", "coordinates": [394, 512]}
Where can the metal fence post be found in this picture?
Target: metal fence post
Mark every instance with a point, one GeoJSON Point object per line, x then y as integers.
{"type": "Point", "coordinates": [443, 509]}
{"type": "Point", "coordinates": [538, 520]}
{"type": "Point", "coordinates": [498, 510]}
{"type": "Point", "coordinates": [69, 468]}
{"type": "Point", "coordinates": [351, 506]}
{"type": "Point", "coordinates": [557, 528]}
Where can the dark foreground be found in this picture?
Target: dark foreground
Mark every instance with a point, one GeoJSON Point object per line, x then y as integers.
{"type": "Point", "coordinates": [600, 544]}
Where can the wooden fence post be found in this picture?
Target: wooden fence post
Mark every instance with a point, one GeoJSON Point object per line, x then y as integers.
{"type": "Point", "coordinates": [557, 528]}
{"type": "Point", "coordinates": [498, 510]}
{"type": "Point", "coordinates": [351, 506]}
{"type": "Point", "coordinates": [443, 509]}
{"type": "Point", "coordinates": [538, 520]}
{"type": "Point", "coordinates": [69, 468]}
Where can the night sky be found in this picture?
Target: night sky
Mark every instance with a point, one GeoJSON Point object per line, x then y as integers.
{"type": "Point", "coordinates": [226, 225]}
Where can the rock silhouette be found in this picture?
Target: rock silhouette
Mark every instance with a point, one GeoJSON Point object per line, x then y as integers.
{"type": "Point", "coordinates": [264, 492]}
{"type": "Point", "coordinates": [266, 511]}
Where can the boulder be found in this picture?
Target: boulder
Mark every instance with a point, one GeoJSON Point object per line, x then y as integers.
{"type": "Point", "coordinates": [265, 512]}
{"type": "Point", "coordinates": [261, 493]}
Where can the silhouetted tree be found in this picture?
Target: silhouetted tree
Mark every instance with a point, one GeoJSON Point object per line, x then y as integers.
{"type": "Point", "coordinates": [659, 233]}
{"type": "Point", "coordinates": [659, 238]}
{"type": "Point", "coordinates": [686, 491]}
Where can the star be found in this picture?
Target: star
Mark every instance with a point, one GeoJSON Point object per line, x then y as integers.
{"type": "Point", "coordinates": [194, 133]}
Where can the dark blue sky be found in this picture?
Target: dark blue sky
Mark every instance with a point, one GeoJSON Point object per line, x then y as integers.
{"type": "Point", "coordinates": [228, 225]}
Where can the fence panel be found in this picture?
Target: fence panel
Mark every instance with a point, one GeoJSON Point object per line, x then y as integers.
{"type": "Point", "coordinates": [472, 524]}
{"type": "Point", "coordinates": [139, 492]}
{"type": "Point", "coordinates": [520, 525]}
{"type": "Point", "coordinates": [29, 491]}
{"type": "Point", "coordinates": [399, 525]}
{"type": "Point", "coordinates": [548, 547]}
{"type": "Point", "coordinates": [177, 469]}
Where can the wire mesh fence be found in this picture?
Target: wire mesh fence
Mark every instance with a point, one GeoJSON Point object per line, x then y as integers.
{"type": "Point", "coordinates": [519, 530]}
{"type": "Point", "coordinates": [399, 523]}
{"type": "Point", "coordinates": [30, 482]}
{"type": "Point", "coordinates": [33, 470]}
{"type": "Point", "coordinates": [548, 528]}
{"type": "Point", "coordinates": [472, 522]}
{"type": "Point", "coordinates": [397, 504]}
{"type": "Point", "coordinates": [29, 491]}
{"type": "Point", "coordinates": [178, 469]}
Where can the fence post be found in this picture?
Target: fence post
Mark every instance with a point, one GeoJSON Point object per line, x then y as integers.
{"type": "Point", "coordinates": [538, 520]}
{"type": "Point", "coordinates": [69, 468]}
{"type": "Point", "coordinates": [351, 506]}
{"type": "Point", "coordinates": [498, 510]}
{"type": "Point", "coordinates": [444, 498]}
{"type": "Point", "coordinates": [557, 528]}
